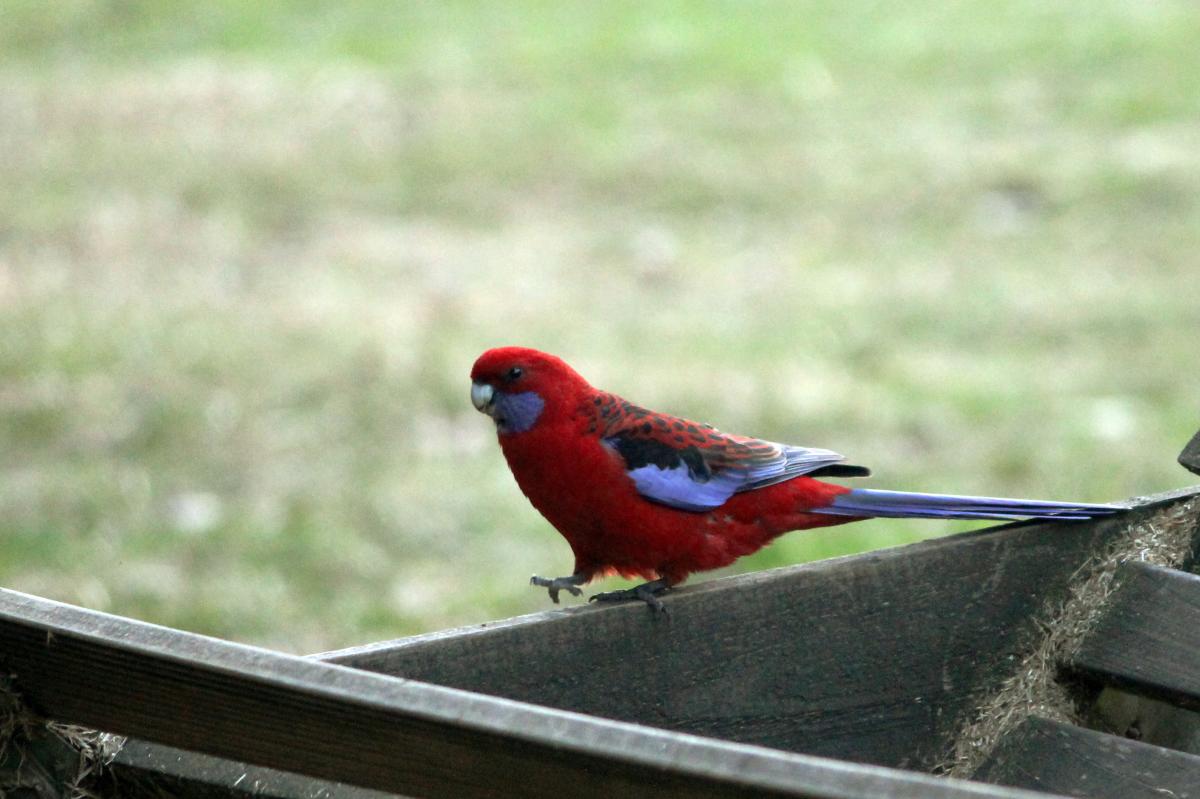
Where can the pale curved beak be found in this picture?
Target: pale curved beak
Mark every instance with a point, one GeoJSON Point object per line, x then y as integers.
{"type": "Point", "coordinates": [482, 396]}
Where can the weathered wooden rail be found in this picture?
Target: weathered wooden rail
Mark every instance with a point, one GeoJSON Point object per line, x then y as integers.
{"type": "Point", "coordinates": [353, 726]}
{"type": "Point", "coordinates": [845, 678]}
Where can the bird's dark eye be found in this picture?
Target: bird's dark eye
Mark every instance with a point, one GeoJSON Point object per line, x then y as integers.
{"type": "Point", "coordinates": [514, 373]}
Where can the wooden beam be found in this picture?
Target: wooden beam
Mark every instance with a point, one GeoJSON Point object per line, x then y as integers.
{"type": "Point", "coordinates": [1045, 755]}
{"type": "Point", "coordinates": [875, 658]}
{"type": "Point", "coordinates": [1190, 457]}
{"type": "Point", "coordinates": [143, 770]}
{"type": "Point", "coordinates": [1148, 641]}
{"type": "Point", "coordinates": [388, 734]}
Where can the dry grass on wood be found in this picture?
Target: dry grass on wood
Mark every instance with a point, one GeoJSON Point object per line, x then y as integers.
{"type": "Point", "coordinates": [1165, 539]}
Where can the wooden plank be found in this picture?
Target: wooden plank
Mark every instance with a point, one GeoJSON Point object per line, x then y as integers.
{"type": "Point", "coordinates": [144, 770]}
{"type": "Point", "coordinates": [875, 658]}
{"type": "Point", "coordinates": [364, 729]}
{"type": "Point", "coordinates": [1190, 457]}
{"type": "Point", "coordinates": [1148, 641]}
{"type": "Point", "coordinates": [1045, 755]}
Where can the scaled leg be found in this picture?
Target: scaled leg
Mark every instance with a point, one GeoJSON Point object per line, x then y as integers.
{"type": "Point", "coordinates": [646, 592]}
{"type": "Point", "coordinates": [556, 584]}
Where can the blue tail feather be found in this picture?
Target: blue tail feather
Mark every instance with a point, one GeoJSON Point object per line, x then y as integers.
{"type": "Point", "coordinates": [903, 504]}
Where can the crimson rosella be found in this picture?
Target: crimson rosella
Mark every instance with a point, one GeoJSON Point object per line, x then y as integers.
{"type": "Point", "coordinates": [644, 494]}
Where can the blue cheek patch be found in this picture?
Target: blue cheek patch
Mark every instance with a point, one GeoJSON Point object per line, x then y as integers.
{"type": "Point", "coordinates": [516, 413]}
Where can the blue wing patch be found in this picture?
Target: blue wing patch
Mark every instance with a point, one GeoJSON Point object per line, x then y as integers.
{"type": "Point", "coordinates": [678, 488]}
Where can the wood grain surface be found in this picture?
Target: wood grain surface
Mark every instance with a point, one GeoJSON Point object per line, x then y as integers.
{"type": "Point", "coordinates": [1148, 642]}
{"type": "Point", "coordinates": [373, 731]}
{"type": "Point", "coordinates": [1046, 755]}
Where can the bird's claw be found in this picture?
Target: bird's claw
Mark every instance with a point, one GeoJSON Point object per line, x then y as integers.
{"type": "Point", "coordinates": [555, 584]}
{"type": "Point", "coordinates": [646, 592]}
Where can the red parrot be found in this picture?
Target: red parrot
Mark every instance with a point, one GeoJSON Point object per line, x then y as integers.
{"type": "Point", "coordinates": [644, 494]}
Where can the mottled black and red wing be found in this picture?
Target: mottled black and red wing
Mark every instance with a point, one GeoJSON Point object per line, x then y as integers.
{"type": "Point", "coordinates": [693, 466]}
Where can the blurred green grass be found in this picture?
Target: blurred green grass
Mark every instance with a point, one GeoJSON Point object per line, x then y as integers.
{"type": "Point", "coordinates": [248, 252]}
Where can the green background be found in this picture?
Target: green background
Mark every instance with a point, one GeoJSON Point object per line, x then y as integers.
{"type": "Point", "coordinates": [249, 251]}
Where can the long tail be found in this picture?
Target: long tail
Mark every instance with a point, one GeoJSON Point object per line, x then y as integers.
{"type": "Point", "coordinates": [903, 504]}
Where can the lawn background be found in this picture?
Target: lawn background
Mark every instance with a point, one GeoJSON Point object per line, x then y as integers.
{"type": "Point", "coordinates": [249, 250]}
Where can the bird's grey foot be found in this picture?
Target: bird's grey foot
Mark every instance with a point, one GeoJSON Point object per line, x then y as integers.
{"type": "Point", "coordinates": [556, 584]}
{"type": "Point", "coordinates": [646, 592]}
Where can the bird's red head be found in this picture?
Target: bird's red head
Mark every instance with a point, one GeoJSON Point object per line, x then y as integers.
{"type": "Point", "coordinates": [520, 387]}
